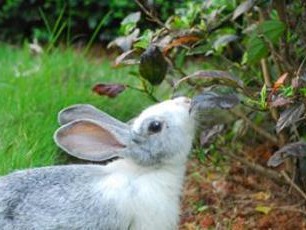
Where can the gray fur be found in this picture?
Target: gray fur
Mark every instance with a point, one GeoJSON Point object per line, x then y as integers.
{"type": "Point", "coordinates": [61, 197]}
{"type": "Point", "coordinates": [86, 111]}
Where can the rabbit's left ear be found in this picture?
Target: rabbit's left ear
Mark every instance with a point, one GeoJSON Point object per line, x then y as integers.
{"type": "Point", "coordinates": [89, 140]}
{"type": "Point", "coordinates": [86, 111]}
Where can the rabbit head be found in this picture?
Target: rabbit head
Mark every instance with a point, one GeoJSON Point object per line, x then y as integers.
{"type": "Point", "coordinates": [161, 134]}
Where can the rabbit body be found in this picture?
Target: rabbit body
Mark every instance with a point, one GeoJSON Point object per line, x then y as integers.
{"type": "Point", "coordinates": [139, 191]}
{"type": "Point", "coordinates": [121, 200]}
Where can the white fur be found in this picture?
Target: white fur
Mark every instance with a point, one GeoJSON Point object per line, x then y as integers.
{"type": "Point", "coordinates": [150, 197]}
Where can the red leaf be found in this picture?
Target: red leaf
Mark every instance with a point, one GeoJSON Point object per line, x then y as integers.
{"type": "Point", "coordinates": [109, 90]}
{"type": "Point", "coordinates": [207, 221]}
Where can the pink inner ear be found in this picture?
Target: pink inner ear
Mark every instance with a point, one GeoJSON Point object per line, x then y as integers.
{"type": "Point", "coordinates": [87, 140]}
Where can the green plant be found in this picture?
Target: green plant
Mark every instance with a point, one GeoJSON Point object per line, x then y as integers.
{"type": "Point", "coordinates": [254, 44]}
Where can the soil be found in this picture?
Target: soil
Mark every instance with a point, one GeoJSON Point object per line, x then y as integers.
{"type": "Point", "coordinates": [233, 196]}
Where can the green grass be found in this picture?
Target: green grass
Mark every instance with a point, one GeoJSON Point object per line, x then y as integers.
{"type": "Point", "coordinates": [34, 88]}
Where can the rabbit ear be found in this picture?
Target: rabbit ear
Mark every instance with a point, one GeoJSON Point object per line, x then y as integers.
{"type": "Point", "coordinates": [85, 111]}
{"type": "Point", "coordinates": [89, 140]}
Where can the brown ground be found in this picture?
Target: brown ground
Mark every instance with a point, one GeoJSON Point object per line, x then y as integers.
{"type": "Point", "coordinates": [235, 197]}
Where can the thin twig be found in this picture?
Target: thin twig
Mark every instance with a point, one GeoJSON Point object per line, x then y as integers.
{"type": "Point", "coordinates": [256, 128]}
{"type": "Point", "coordinates": [268, 173]}
{"type": "Point", "coordinates": [298, 73]}
{"type": "Point", "coordinates": [256, 167]}
{"type": "Point", "coordinates": [145, 91]}
{"type": "Point", "coordinates": [151, 16]}
{"type": "Point", "coordinates": [291, 183]}
{"type": "Point", "coordinates": [291, 210]}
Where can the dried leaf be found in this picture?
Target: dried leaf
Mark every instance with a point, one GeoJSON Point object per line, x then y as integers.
{"type": "Point", "coordinates": [296, 149]}
{"type": "Point", "coordinates": [125, 59]}
{"type": "Point", "coordinates": [35, 48]}
{"type": "Point", "coordinates": [280, 101]}
{"type": "Point", "coordinates": [298, 82]}
{"type": "Point", "coordinates": [224, 40]}
{"type": "Point", "coordinates": [290, 116]}
{"type": "Point", "coordinates": [153, 66]}
{"type": "Point", "coordinates": [243, 8]}
{"type": "Point", "coordinates": [125, 42]}
{"type": "Point", "coordinates": [263, 209]}
{"type": "Point", "coordinates": [109, 90]}
{"type": "Point", "coordinates": [207, 222]}
{"type": "Point", "coordinates": [181, 41]}
{"type": "Point", "coordinates": [280, 81]}
{"type": "Point", "coordinates": [210, 100]}
{"type": "Point", "coordinates": [208, 135]}
{"type": "Point", "coordinates": [261, 196]}
{"type": "Point", "coordinates": [204, 78]}
{"type": "Point", "coordinates": [131, 18]}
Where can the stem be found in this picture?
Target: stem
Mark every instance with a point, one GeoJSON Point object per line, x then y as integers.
{"type": "Point", "coordinates": [256, 128]}
{"type": "Point", "coordinates": [151, 16]}
{"type": "Point", "coordinates": [256, 167]}
{"type": "Point", "coordinates": [145, 90]}
{"type": "Point", "coordinates": [290, 182]}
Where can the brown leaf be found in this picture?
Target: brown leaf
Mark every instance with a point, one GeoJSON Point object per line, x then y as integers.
{"type": "Point", "coordinates": [280, 101]}
{"type": "Point", "coordinates": [207, 221]}
{"type": "Point", "coordinates": [125, 59]}
{"type": "Point", "coordinates": [109, 90]}
{"type": "Point", "coordinates": [181, 41]}
{"type": "Point", "coordinates": [280, 81]}
{"type": "Point", "coordinates": [261, 196]}
{"type": "Point", "coordinates": [239, 224]}
{"type": "Point", "coordinates": [125, 42]}
{"type": "Point", "coordinates": [295, 149]}
{"type": "Point", "coordinates": [290, 116]}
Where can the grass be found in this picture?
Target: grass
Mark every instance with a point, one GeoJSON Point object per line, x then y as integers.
{"type": "Point", "coordinates": [34, 88]}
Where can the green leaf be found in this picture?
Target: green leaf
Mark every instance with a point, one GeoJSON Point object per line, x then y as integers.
{"type": "Point", "coordinates": [256, 49]}
{"type": "Point", "coordinates": [263, 97]}
{"type": "Point", "coordinates": [263, 209]}
{"type": "Point", "coordinates": [272, 30]}
{"type": "Point", "coordinates": [145, 40]}
{"type": "Point", "coordinates": [153, 65]}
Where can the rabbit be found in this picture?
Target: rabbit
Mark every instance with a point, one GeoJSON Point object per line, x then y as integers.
{"type": "Point", "coordinates": [140, 190]}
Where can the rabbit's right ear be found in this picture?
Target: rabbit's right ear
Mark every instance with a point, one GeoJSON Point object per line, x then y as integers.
{"type": "Point", "coordinates": [86, 111]}
{"type": "Point", "coordinates": [89, 140]}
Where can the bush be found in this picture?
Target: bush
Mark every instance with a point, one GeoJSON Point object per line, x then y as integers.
{"type": "Point", "coordinates": [259, 46]}
{"type": "Point", "coordinates": [73, 19]}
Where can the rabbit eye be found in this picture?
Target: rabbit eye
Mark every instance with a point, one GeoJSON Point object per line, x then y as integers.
{"type": "Point", "coordinates": [155, 127]}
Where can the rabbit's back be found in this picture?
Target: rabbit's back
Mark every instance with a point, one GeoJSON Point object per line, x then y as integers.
{"type": "Point", "coordinates": [62, 197]}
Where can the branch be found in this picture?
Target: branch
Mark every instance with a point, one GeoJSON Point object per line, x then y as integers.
{"type": "Point", "coordinates": [258, 168]}
{"type": "Point", "coordinates": [257, 129]}
{"type": "Point", "coordinates": [273, 175]}
{"type": "Point", "coordinates": [292, 184]}
{"type": "Point", "coordinates": [151, 16]}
